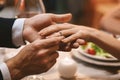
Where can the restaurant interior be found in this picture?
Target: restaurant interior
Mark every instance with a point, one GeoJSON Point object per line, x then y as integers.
{"type": "Point", "coordinates": [84, 12]}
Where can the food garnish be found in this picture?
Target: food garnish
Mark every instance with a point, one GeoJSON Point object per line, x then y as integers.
{"type": "Point", "coordinates": [93, 49]}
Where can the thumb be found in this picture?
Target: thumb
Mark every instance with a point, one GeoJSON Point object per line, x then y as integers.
{"type": "Point", "coordinates": [62, 17]}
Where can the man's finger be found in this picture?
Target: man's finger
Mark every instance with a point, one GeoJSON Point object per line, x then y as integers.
{"type": "Point", "coordinates": [47, 42]}
{"type": "Point", "coordinates": [61, 18]}
{"type": "Point", "coordinates": [47, 52]}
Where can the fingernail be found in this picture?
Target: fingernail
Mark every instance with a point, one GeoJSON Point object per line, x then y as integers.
{"type": "Point", "coordinates": [64, 41]}
{"type": "Point", "coordinates": [41, 33]}
{"type": "Point", "coordinates": [48, 37]}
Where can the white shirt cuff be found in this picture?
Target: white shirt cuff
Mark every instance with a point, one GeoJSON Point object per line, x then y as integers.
{"type": "Point", "coordinates": [5, 71]}
{"type": "Point", "coordinates": [17, 32]}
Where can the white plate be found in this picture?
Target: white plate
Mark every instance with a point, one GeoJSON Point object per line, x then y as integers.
{"type": "Point", "coordinates": [96, 57]}
{"type": "Point", "coordinates": [77, 55]}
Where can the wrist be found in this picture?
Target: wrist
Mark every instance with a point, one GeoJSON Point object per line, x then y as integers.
{"type": "Point", "coordinates": [27, 30]}
{"type": "Point", "coordinates": [93, 34]}
{"type": "Point", "coordinates": [15, 72]}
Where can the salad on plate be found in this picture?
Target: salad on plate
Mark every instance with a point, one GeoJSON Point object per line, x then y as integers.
{"type": "Point", "coordinates": [94, 51]}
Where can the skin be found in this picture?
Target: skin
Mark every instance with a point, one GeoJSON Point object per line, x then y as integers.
{"type": "Point", "coordinates": [40, 55]}
{"type": "Point", "coordinates": [80, 34]}
{"type": "Point", "coordinates": [35, 58]}
{"type": "Point", "coordinates": [34, 24]}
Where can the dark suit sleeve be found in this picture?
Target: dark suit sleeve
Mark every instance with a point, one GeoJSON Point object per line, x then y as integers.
{"type": "Point", "coordinates": [6, 32]}
{"type": "Point", "coordinates": [1, 77]}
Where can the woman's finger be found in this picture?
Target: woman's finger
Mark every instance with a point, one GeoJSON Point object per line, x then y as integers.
{"type": "Point", "coordinates": [54, 28]}
{"type": "Point", "coordinates": [75, 36]}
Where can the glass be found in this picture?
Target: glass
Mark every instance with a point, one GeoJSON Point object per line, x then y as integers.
{"type": "Point", "coordinates": [28, 8]}
{"type": "Point", "coordinates": [2, 4]}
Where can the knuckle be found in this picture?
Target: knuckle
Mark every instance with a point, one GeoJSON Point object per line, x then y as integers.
{"type": "Point", "coordinates": [39, 44]}
{"type": "Point", "coordinates": [36, 45]}
{"type": "Point", "coordinates": [57, 26]}
{"type": "Point", "coordinates": [45, 61]}
{"type": "Point", "coordinates": [56, 55]}
{"type": "Point", "coordinates": [41, 54]}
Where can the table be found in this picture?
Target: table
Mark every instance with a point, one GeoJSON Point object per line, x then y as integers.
{"type": "Point", "coordinates": [85, 71]}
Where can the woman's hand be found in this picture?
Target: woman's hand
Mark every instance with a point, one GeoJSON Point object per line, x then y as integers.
{"type": "Point", "coordinates": [74, 35]}
{"type": "Point", "coordinates": [79, 34]}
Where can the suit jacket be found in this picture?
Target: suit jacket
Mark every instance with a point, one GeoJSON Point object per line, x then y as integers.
{"type": "Point", "coordinates": [1, 77]}
{"type": "Point", "coordinates": [6, 32]}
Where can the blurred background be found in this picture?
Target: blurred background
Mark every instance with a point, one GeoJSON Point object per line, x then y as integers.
{"type": "Point", "coordinates": [85, 12]}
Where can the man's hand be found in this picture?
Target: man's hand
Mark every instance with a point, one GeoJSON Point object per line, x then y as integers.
{"type": "Point", "coordinates": [35, 58]}
{"type": "Point", "coordinates": [34, 24]}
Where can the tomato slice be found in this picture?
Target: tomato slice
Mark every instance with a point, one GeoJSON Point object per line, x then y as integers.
{"type": "Point", "coordinates": [91, 51]}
